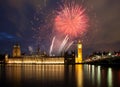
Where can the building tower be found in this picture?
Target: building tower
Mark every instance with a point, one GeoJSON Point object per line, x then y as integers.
{"type": "Point", "coordinates": [79, 56]}
{"type": "Point", "coordinates": [16, 50]}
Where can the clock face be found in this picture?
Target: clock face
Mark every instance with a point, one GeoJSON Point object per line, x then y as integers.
{"type": "Point", "coordinates": [79, 46]}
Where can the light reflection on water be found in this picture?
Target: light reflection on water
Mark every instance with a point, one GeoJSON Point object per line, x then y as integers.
{"type": "Point", "coordinates": [109, 77]}
{"type": "Point", "coordinates": [79, 75]}
{"type": "Point", "coordinates": [37, 72]}
{"type": "Point", "coordinates": [59, 76]}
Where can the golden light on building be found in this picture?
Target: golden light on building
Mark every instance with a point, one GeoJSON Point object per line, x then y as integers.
{"type": "Point", "coordinates": [16, 50]}
{"type": "Point", "coordinates": [33, 60]}
{"type": "Point", "coordinates": [38, 59]}
{"type": "Point", "coordinates": [79, 56]}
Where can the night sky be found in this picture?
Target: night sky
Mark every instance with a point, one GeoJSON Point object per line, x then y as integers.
{"type": "Point", "coordinates": [29, 22]}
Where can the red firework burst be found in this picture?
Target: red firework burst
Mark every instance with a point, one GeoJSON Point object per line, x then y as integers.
{"type": "Point", "coordinates": [71, 20]}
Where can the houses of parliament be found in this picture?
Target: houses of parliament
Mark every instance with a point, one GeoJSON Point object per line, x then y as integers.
{"type": "Point", "coordinates": [38, 59]}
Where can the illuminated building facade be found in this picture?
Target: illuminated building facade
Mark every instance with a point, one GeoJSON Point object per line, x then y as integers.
{"type": "Point", "coordinates": [39, 59]}
{"type": "Point", "coordinates": [16, 51]}
{"type": "Point", "coordinates": [79, 57]}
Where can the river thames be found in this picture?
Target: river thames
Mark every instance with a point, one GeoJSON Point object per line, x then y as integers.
{"type": "Point", "coordinates": [21, 75]}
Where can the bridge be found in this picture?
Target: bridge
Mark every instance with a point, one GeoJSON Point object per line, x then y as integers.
{"type": "Point", "coordinates": [103, 60]}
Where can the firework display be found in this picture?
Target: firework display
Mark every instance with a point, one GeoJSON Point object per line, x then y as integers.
{"type": "Point", "coordinates": [61, 25]}
{"type": "Point", "coordinates": [71, 20]}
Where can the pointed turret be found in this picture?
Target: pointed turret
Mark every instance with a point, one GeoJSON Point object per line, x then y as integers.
{"type": "Point", "coordinates": [16, 50]}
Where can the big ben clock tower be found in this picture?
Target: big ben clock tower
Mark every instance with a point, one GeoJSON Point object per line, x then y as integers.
{"type": "Point", "coordinates": [79, 56]}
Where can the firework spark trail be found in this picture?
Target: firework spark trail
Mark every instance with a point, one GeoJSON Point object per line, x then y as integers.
{"type": "Point", "coordinates": [63, 43]}
{"type": "Point", "coordinates": [51, 47]}
{"type": "Point", "coordinates": [69, 45]}
{"type": "Point", "coordinates": [71, 20]}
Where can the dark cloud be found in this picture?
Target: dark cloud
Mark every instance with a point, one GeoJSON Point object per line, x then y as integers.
{"type": "Point", "coordinates": [4, 35]}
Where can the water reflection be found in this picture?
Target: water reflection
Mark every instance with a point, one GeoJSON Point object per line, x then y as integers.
{"type": "Point", "coordinates": [38, 72]}
{"type": "Point", "coordinates": [109, 77]}
{"type": "Point", "coordinates": [18, 75]}
{"type": "Point", "coordinates": [93, 74]}
{"type": "Point", "coordinates": [34, 75]}
{"type": "Point", "coordinates": [98, 76]}
{"type": "Point", "coordinates": [79, 75]}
